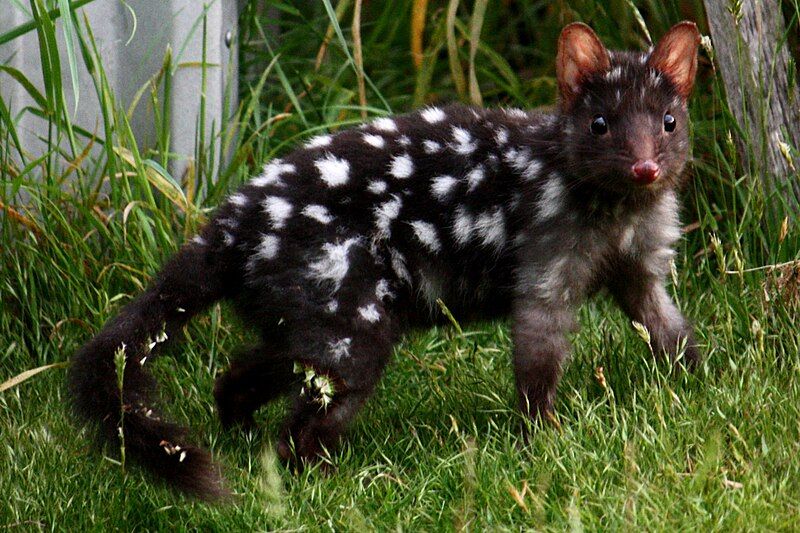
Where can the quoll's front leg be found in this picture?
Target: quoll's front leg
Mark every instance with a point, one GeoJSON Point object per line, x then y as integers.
{"type": "Point", "coordinates": [644, 299]}
{"type": "Point", "coordinates": [540, 349]}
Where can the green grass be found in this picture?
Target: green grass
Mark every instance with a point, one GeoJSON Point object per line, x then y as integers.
{"type": "Point", "coordinates": [636, 445]}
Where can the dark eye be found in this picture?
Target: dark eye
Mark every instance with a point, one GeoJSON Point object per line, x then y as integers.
{"type": "Point", "coordinates": [669, 123]}
{"type": "Point", "coordinates": [599, 126]}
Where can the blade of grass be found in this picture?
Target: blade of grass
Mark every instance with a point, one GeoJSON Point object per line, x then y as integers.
{"type": "Point", "coordinates": [22, 29]}
{"type": "Point", "coordinates": [20, 378]}
{"type": "Point", "coordinates": [426, 71]}
{"type": "Point", "coordinates": [68, 28]}
{"type": "Point", "coordinates": [51, 73]}
{"type": "Point", "coordinates": [343, 42]}
{"type": "Point", "coordinates": [452, 51]}
{"type": "Point", "coordinates": [287, 86]}
{"type": "Point", "coordinates": [91, 58]}
{"type": "Point", "coordinates": [5, 118]}
{"type": "Point", "coordinates": [29, 87]}
{"type": "Point", "coordinates": [419, 11]}
{"type": "Point", "coordinates": [359, 58]}
{"type": "Point", "coordinates": [475, 27]}
{"type": "Point", "coordinates": [341, 9]}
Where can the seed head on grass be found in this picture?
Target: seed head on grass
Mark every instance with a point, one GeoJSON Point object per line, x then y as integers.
{"type": "Point", "coordinates": [120, 360]}
{"type": "Point", "coordinates": [318, 385]}
{"type": "Point", "coordinates": [643, 333]}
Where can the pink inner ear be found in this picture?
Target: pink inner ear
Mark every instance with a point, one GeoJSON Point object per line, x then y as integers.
{"type": "Point", "coordinates": [676, 56]}
{"type": "Point", "coordinates": [580, 54]}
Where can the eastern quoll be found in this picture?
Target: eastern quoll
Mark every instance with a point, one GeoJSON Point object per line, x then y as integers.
{"type": "Point", "coordinates": [335, 249]}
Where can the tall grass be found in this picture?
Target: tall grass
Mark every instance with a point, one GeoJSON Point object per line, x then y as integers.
{"type": "Point", "coordinates": [85, 224]}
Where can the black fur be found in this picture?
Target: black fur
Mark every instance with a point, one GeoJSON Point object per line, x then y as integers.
{"type": "Point", "coordinates": [340, 246]}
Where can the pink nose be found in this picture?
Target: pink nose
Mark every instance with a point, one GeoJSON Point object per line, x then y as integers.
{"type": "Point", "coordinates": [646, 172]}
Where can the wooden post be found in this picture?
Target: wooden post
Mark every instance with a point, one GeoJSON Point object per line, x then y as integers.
{"type": "Point", "coordinates": [753, 59]}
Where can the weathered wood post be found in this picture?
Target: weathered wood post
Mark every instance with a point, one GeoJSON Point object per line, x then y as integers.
{"type": "Point", "coordinates": [753, 58]}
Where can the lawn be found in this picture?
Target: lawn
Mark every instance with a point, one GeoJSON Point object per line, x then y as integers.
{"type": "Point", "coordinates": [634, 444]}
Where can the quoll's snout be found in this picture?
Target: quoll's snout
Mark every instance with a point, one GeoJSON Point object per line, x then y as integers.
{"type": "Point", "coordinates": [646, 172]}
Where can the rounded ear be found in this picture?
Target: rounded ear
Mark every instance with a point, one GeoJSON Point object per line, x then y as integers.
{"type": "Point", "coordinates": [580, 55]}
{"type": "Point", "coordinates": [675, 56]}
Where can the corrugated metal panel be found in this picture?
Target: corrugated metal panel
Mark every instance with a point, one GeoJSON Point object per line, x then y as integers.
{"type": "Point", "coordinates": [159, 23]}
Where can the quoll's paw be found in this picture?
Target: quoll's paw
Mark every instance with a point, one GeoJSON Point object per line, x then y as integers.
{"type": "Point", "coordinates": [298, 461]}
{"type": "Point", "coordinates": [691, 358]}
{"type": "Point", "coordinates": [232, 407]}
{"type": "Point", "coordinates": [538, 407]}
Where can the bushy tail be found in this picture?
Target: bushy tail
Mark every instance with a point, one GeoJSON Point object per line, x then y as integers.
{"type": "Point", "coordinates": [187, 285]}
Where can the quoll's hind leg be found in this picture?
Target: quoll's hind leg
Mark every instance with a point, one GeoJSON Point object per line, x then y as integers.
{"type": "Point", "coordinates": [347, 363]}
{"type": "Point", "coordinates": [255, 377]}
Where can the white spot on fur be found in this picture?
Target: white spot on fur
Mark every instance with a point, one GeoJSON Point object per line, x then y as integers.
{"type": "Point", "coordinates": [463, 225]}
{"type": "Point", "coordinates": [374, 140]}
{"type": "Point", "coordinates": [403, 140]}
{"type": "Point", "coordinates": [626, 238]}
{"type": "Point", "coordinates": [501, 136]}
{"type": "Point", "coordinates": [369, 313]}
{"type": "Point", "coordinates": [463, 142]}
{"type": "Point", "coordinates": [332, 306]}
{"type": "Point", "coordinates": [654, 78]}
{"type": "Point", "coordinates": [231, 223]}
{"type": "Point", "coordinates": [532, 170]}
{"type": "Point", "coordinates": [614, 74]}
{"type": "Point", "coordinates": [553, 285]}
{"type": "Point", "coordinates": [399, 266]}
{"type": "Point", "coordinates": [272, 174]}
{"type": "Point", "coordinates": [430, 288]}
{"type": "Point", "coordinates": [433, 115]}
{"type": "Point", "coordinates": [431, 147]}
{"type": "Point", "coordinates": [333, 264]}
{"type": "Point", "coordinates": [442, 185]}
{"type": "Point", "coordinates": [426, 233]}
{"type": "Point", "coordinates": [278, 210]}
{"type": "Point", "coordinates": [318, 212]}
{"type": "Point", "coordinates": [340, 348]}
{"type": "Point", "coordinates": [382, 290]}
{"type": "Point", "coordinates": [664, 219]}
{"type": "Point", "coordinates": [518, 158]}
{"type": "Point", "coordinates": [491, 228]}
{"type": "Point", "coordinates": [377, 187]}
{"type": "Point", "coordinates": [384, 124]}
{"type": "Point", "coordinates": [475, 177]}
{"type": "Point", "coordinates": [268, 247]}
{"type": "Point", "coordinates": [228, 239]}
{"type": "Point", "coordinates": [516, 113]}
{"type": "Point", "coordinates": [333, 170]}
{"type": "Point", "coordinates": [319, 141]}
{"type": "Point", "coordinates": [401, 166]}
{"type": "Point", "coordinates": [552, 198]}
{"type": "Point", "coordinates": [385, 214]}
{"type": "Point", "coordinates": [521, 161]}
{"type": "Point", "coordinates": [197, 239]}
{"type": "Point", "coordinates": [238, 199]}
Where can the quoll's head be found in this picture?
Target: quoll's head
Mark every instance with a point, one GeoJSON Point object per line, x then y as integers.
{"type": "Point", "coordinates": [626, 112]}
